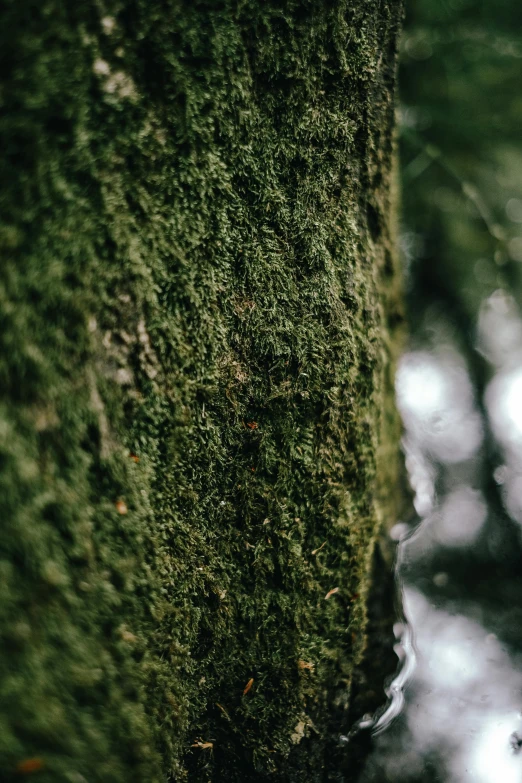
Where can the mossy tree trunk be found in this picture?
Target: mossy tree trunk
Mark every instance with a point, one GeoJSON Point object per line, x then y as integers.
{"type": "Point", "coordinates": [198, 444]}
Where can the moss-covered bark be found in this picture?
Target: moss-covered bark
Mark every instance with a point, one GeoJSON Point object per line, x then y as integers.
{"type": "Point", "coordinates": [196, 291]}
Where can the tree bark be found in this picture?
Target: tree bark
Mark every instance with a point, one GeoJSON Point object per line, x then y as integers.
{"type": "Point", "coordinates": [198, 304]}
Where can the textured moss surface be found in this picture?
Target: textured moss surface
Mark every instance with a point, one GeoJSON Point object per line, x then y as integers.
{"type": "Point", "coordinates": [194, 360]}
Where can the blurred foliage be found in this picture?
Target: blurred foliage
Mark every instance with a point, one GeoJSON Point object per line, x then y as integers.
{"type": "Point", "coordinates": [460, 119]}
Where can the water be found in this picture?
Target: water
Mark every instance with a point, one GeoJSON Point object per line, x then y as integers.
{"type": "Point", "coordinates": [453, 711]}
{"type": "Point", "coordinates": [454, 708]}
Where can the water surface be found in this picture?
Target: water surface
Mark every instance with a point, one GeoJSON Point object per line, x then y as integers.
{"type": "Point", "coordinates": [454, 710]}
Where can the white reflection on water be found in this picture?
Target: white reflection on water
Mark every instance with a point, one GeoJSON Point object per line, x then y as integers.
{"type": "Point", "coordinates": [421, 475]}
{"type": "Point", "coordinates": [435, 399]}
{"type": "Point", "coordinates": [500, 339]}
{"type": "Point", "coordinates": [466, 694]}
{"type": "Point", "coordinates": [461, 517]}
{"type": "Point", "coordinates": [458, 695]}
{"type": "Point", "coordinates": [459, 663]}
{"type": "Point", "coordinates": [504, 404]}
{"type": "Point", "coordinates": [500, 330]}
{"type": "Point", "coordinates": [405, 651]}
{"type": "Point", "coordinates": [491, 759]}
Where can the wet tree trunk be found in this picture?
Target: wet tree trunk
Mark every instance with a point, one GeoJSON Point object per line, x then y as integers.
{"type": "Point", "coordinates": [198, 445]}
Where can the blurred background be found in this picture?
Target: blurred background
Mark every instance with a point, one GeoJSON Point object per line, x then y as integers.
{"type": "Point", "coordinates": [455, 707]}
{"type": "Point", "coordinates": [461, 153]}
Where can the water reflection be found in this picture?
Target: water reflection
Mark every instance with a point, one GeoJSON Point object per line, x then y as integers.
{"type": "Point", "coordinates": [435, 398]}
{"type": "Point", "coordinates": [500, 338]}
{"type": "Point", "coordinates": [454, 707]}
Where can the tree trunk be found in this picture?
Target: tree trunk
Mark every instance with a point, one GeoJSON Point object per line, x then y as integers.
{"type": "Point", "coordinates": [198, 295]}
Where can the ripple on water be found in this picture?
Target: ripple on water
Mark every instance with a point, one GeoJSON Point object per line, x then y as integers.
{"type": "Point", "coordinates": [453, 711]}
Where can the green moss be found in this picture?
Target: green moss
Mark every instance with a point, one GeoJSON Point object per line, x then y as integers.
{"type": "Point", "coordinates": [195, 252]}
